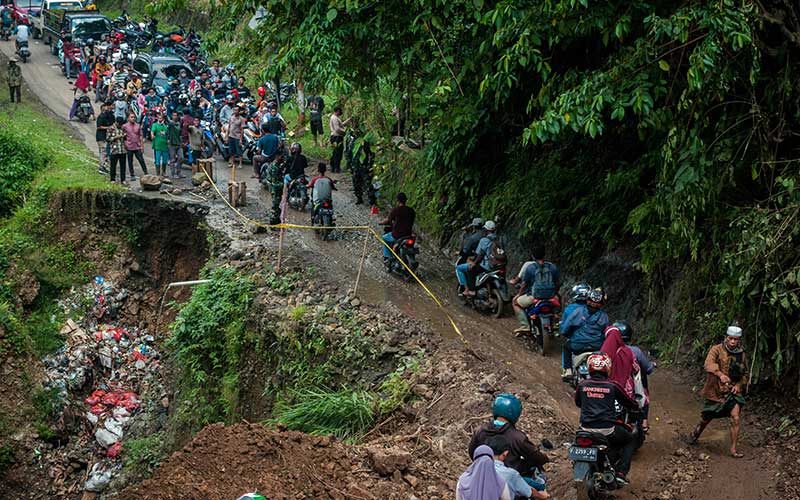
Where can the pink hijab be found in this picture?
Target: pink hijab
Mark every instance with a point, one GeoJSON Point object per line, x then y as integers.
{"type": "Point", "coordinates": [623, 361]}
{"type": "Point", "coordinates": [82, 82]}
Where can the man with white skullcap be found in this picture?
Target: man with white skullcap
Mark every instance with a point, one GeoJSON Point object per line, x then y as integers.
{"type": "Point", "coordinates": [723, 393]}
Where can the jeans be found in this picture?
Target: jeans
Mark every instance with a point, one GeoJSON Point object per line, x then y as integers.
{"type": "Point", "coordinates": [571, 347]}
{"type": "Point", "coordinates": [161, 158]}
{"type": "Point", "coordinates": [139, 157]}
{"type": "Point", "coordinates": [118, 159]}
{"type": "Point", "coordinates": [15, 89]}
{"type": "Point", "coordinates": [461, 272]}
{"type": "Point", "coordinates": [388, 238]}
{"type": "Point", "coordinates": [175, 160]}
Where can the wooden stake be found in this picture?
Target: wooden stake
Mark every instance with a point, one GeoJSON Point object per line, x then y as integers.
{"type": "Point", "coordinates": [361, 264]}
{"type": "Point", "coordinates": [280, 251]}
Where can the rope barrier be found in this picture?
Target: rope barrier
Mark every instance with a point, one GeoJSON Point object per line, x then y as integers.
{"type": "Point", "coordinates": [371, 230]}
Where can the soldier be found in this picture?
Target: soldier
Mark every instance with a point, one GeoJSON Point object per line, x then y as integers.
{"type": "Point", "coordinates": [359, 156]}
{"type": "Point", "coordinates": [274, 181]}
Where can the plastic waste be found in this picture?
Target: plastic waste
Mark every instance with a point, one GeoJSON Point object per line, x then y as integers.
{"type": "Point", "coordinates": [98, 479]}
{"type": "Point", "coordinates": [105, 438]}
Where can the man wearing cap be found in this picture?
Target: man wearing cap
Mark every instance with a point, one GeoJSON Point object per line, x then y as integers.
{"type": "Point", "coordinates": [473, 233]}
{"type": "Point", "coordinates": [481, 262]}
{"type": "Point", "coordinates": [726, 370]}
{"type": "Point", "coordinates": [14, 79]}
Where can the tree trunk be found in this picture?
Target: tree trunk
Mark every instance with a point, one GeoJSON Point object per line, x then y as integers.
{"type": "Point", "coordinates": [301, 102]}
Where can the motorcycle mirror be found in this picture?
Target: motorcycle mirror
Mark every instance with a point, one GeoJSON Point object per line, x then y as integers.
{"type": "Point", "coordinates": [546, 444]}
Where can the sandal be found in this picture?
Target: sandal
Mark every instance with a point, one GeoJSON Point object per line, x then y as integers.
{"type": "Point", "coordinates": [646, 429]}
{"type": "Point", "coordinates": [736, 454]}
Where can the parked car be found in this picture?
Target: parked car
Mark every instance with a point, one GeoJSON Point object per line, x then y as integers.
{"type": "Point", "coordinates": [158, 69]}
{"type": "Point", "coordinates": [81, 24]}
{"type": "Point", "coordinates": [37, 17]}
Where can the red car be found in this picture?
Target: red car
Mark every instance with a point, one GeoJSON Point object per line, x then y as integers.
{"type": "Point", "coordinates": [21, 8]}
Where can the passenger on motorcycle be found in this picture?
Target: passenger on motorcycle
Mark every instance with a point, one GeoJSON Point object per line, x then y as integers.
{"type": "Point", "coordinates": [541, 280]}
{"type": "Point", "coordinates": [120, 105]}
{"type": "Point", "coordinates": [401, 219]}
{"type": "Point", "coordinates": [622, 358]}
{"type": "Point", "coordinates": [584, 329]}
{"type": "Point", "coordinates": [296, 163]}
{"type": "Point", "coordinates": [595, 397]}
{"type": "Point", "coordinates": [473, 234]}
{"type": "Point", "coordinates": [274, 121]}
{"type": "Point", "coordinates": [184, 78]}
{"type": "Point", "coordinates": [322, 188]}
{"type": "Point", "coordinates": [517, 485]}
{"type": "Point", "coordinates": [487, 256]}
{"type": "Point", "coordinates": [523, 456]}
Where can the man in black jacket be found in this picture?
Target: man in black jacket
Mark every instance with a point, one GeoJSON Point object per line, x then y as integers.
{"type": "Point", "coordinates": [523, 455]}
{"type": "Point", "coordinates": [105, 120]}
{"type": "Point", "coordinates": [595, 397]}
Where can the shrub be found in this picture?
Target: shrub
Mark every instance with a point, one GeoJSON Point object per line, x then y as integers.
{"type": "Point", "coordinates": [345, 413]}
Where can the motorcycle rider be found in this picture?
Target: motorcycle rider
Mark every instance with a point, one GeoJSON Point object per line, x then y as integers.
{"type": "Point", "coordinates": [274, 121]}
{"type": "Point", "coordinates": [540, 281]}
{"type": "Point", "coordinates": [183, 77]}
{"type": "Point", "coordinates": [79, 90]}
{"type": "Point", "coordinates": [266, 148]}
{"type": "Point", "coordinates": [120, 105]}
{"type": "Point", "coordinates": [6, 19]}
{"type": "Point", "coordinates": [134, 85]}
{"type": "Point", "coordinates": [401, 219]}
{"type": "Point", "coordinates": [595, 397]}
{"type": "Point", "coordinates": [120, 75]}
{"type": "Point", "coordinates": [296, 163]}
{"type": "Point", "coordinates": [584, 329]}
{"type": "Point", "coordinates": [322, 188]}
{"type": "Point", "coordinates": [23, 32]}
{"type": "Point", "coordinates": [483, 258]}
{"type": "Point", "coordinates": [523, 456]}
{"type": "Point", "coordinates": [473, 233]}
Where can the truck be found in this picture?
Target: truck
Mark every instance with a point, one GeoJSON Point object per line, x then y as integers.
{"type": "Point", "coordinates": [81, 24]}
{"type": "Point", "coordinates": [36, 18]}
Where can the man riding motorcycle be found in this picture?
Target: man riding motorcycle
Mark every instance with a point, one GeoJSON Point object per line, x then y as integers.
{"type": "Point", "coordinates": [584, 329]}
{"type": "Point", "coordinates": [596, 397]}
{"type": "Point", "coordinates": [523, 455]}
{"type": "Point", "coordinates": [23, 32]}
{"type": "Point", "coordinates": [296, 163]}
{"type": "Point", "coordinates": [401, 219]}
{"type": "Point", "coordinates": [473, 234]}
{"type": "Point", "coordinates": [487, 255]}
{"type": "Point", "coordinates": [540, 281]}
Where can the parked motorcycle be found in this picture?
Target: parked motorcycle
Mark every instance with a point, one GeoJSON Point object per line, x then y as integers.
{"type": "Point", "coordinates": [23, 51]}
{"type": "Point", "coordinates": [250, 137]}
{"type": "Point", "coordinates": [84, 110]}
{"type": "Point", "coordinates": [323, 217]}
{"type": "Point", "coordinates": [298, 194]}
{"type": "Point", "coordinates": [595, 462]}
{"type": "Point", "coordinates": [406, 249]}
{"type": "Point", "coordinates": [491, 292]}
{"type": "Point", "coordinates": [543, 319]}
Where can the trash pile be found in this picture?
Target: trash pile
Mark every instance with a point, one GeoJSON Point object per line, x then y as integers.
{"type": "Point", "coordinates": [99, 374]}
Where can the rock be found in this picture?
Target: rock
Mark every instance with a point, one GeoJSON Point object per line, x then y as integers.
{"type": "Point", "coordinates": [27, 285]}
{"type": "Point", "coordinates": [150, 182]}
{"type": "Point", "coordinates": [386, 461]}
{"type": "Point", "coordinates": [680, 452]}
{"type": "Point", "coordinates": [489, 384]}
{"type": "Point", "coordinates": [704, 456]}
{"type": "Point", "coordinates": [411, 480]}
{"type": "Point", "coordinates": [422, 390]}
{"type": "Point", "coordinates": [199, 179]}
{"type": "Point", "coordinates": [177, 191]}
{"type": "Point", "coordinates": [355, 302]}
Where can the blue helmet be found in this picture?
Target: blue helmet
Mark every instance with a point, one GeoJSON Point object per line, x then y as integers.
{"type": "Point", "coordinates": [507, 406]}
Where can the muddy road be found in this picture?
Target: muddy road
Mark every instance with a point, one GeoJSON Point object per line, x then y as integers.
{"type": "Point", "coordinates": [674, 409]}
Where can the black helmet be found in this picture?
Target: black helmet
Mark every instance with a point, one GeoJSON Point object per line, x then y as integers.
{"type": "Point", "coordinates": [625, 330]}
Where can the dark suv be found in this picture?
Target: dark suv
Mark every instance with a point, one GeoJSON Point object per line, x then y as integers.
{"type": "Point", "coordinates": [158, 69]}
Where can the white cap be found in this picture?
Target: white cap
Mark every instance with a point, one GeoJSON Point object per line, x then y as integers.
{"type": "Point", "coordinates": [734, 331]}
{"type": "Point", "coordinates": [477, 222]}
{"type": "Point", "coordinates": [489, 226]}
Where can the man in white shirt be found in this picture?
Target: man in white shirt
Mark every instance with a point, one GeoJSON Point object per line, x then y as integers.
{"type": "Point", "coordinates": [337, 126]}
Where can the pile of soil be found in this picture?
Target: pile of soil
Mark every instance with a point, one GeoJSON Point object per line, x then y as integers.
{"type": "Point", "coordinates": [228, 461]}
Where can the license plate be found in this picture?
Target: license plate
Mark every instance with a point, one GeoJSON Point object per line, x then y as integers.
{"type": "Point", "coordinates": [576, 453]}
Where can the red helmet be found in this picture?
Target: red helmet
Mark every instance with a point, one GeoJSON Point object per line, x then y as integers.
{"type": "Point", "coordinates": [599, 362]}
{"type": "Point", "coordinates": [262, 92]}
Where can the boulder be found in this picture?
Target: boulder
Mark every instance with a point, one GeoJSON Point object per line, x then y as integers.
{"type": "Point", "coordinates": [385, 461]}
{"type": "Point", "coordinates": [150, 182]}
{"type": "Point", "coordinates": [199, 178]}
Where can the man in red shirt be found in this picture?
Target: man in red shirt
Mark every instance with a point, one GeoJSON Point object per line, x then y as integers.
{"type": "Point", "coordinates": [401, 218]}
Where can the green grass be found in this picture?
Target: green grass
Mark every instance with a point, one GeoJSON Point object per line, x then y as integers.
{"type": "Point", "coordinates": [144, 454]}
{"type": "Point", "coordinates": [346, 414]}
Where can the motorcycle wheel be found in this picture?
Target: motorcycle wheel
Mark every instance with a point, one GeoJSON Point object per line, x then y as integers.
{"type": "Point", "coordinates": [326, 222]}
{"type": "Point", "coordinates": [583, 488]}
{"type": "Point", "coordinates": [499, 304]}
{"type": "Point", "coordinates": [24, 58]}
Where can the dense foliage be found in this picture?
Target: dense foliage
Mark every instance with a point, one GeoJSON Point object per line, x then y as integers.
{"type": "Point", "coordinates": [668, 125]}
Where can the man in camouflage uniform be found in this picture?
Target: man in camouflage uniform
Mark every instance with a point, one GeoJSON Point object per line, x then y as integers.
{"type": "Point", "coordinates": [14, 79]}
{"type": "Point", "coordinates": [273, 180]}
{"type": "Point", "coordinates": [358, 153]}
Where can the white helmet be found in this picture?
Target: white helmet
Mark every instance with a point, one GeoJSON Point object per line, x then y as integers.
{"type": "Point", "coordinates": [489, 225]}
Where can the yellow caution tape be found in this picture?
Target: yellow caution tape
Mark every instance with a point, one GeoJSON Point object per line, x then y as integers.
{"type": "Point", "coordinates": [349, 228]}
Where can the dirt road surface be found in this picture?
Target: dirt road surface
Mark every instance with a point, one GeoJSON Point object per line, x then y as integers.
{"type": "Point", "coordinates": [674, 409]}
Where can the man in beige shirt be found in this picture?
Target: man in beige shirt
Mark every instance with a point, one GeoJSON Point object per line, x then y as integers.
{"type": "Point", "coordinates": [337, 126]}
{"type": "Point", "coordinates": [726, 377]}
